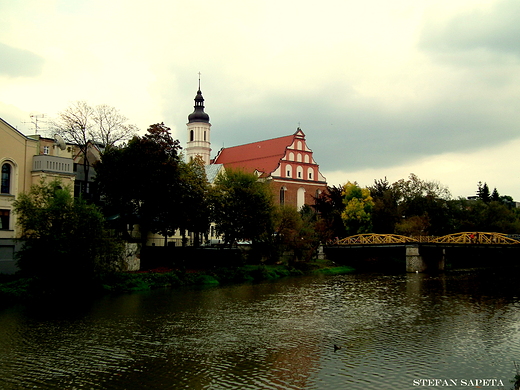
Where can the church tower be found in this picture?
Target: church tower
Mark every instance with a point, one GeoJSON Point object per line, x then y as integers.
{"type": "Point", "coordinates": [198, 131]}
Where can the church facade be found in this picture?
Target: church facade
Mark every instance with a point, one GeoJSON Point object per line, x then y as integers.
{"type": "Point", "coordinates": [287, 162]}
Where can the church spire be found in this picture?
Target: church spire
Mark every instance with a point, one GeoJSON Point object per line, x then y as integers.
{"type": "Point", "coordinates": [198, 126]}
{"type": "Point", "coordinates": [198, 114]}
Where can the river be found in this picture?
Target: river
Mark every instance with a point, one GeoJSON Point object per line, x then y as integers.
{"type": "Point", "coordinates": [394, 332]}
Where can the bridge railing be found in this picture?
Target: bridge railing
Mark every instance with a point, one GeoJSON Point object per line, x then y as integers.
{"type": "Point", "coordinates": [485, 238]}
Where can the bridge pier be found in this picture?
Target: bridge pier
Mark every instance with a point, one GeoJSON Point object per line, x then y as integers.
{"type": "Point", "coordinates": [417, 260]}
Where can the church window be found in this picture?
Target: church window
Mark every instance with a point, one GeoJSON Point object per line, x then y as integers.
{"type": "Point", "coordinates": [204, 135]}
{"type": "Point", "coordinates": [310, 173]}
{"type": "Point", "coordinates": [291, 156]}
{"type": "Point", "coordinates": [282, 195]}
{"type": "Point", "coordinates": [299, 157]}
{"type": "Point", "coordinates": [191, 135]}
{"type": "Point", "coordinates": [300, 198]}
{"type": "Point", "coordinates": [288, 170]}
{"type": "Point", "coordinates": [299, 172]}
{"type": "Point", "coordinates": [306, 158]}
{"type": "Point", "coordinates": [6, 179]}
{"type": "Point", "coordinates": [299, 145]}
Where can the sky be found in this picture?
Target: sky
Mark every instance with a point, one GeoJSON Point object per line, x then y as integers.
{"type": "Point", "coordinates": [380, 88]}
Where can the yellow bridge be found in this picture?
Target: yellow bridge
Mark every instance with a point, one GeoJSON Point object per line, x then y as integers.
{"type": "Point", "coordinates": [469, 238]}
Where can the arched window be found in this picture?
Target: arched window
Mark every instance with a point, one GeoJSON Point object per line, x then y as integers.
{"type": "Point", "coordinates": [288, 170]}
{"type": "Point", "coordinates": [306, 158]}
{"type": "Point", "coordinates": [299, 157]}
{"type": "Point", "coordinates": [299, 145]}
{"type": "Point", "coordinates": [6, 178]}
{"type": "Point", "coordinates": [291, 156]}
{"type": "Point", "coordinates": [191, 135]}
{"type": "Point", "coordinates": [204, 135]}
{"type": "Point", "coordinates": [299, 172]}
{"type": "Point", "coordinates": [310, 171]}
{"type": "Point", "coordinates": [300, 198]}
{"type": "Point", "coordinates": [282, 195]}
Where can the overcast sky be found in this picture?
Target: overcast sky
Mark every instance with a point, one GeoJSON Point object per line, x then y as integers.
{"type": "Point", "coordinates": [380, 88]}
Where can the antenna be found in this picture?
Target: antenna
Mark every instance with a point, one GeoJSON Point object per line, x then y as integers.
{"type": "Point", "coordinates": [34, 120]}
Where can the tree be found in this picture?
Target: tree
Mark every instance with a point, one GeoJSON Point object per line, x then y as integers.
{"type": "Point", "coordinates": [141, 182]}
{"type": "Point", "coordinates": [82, 124]}
{"type": "Point", "coordinates": [64, 239]}
{"type": "Point", "coordinates": [329, 206]}
{"type": "Point", "coordinates": [424, 199]}
{"type": "Point", "coordinates": [385, 214]}
{"type": "Point", "coordinates": [483, 192]}
{"type": "Point", "coordinates": [242, 206]}
{"type": "Point", "coordinates": [295, 232]}
{"type": "Point", "coordinates": [358, 208]}
{"type": "Point", "coordinates": [193, 205]}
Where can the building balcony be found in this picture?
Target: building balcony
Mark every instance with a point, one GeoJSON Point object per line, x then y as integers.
{"type": "Point", "coordinates": [53, 164]}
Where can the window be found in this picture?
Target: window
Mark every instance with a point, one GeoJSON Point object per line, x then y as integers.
{"type": "Point", "coordinates": [288, 170]}
{"type": "Point", "coordinates": [300, 198]}
{"type": "Point", "coordinates": [282, 195]}
{"type": "Point", "coordinates": [306, 158]}
{"type": "Point", "coordinates": [46, 150]}
{"type": "Point", "coordinates": [191, 135]}
{"type": "Point", "coordinates": [299, 157]}
{"type": "Point", "coordinates": [6, 179]}
{"type": "Point", "coordinates": [4, 219]}
{"type": "Point", "coordinates": [291, 156]}
{"type": "Point", "coordinates": [299, 172]}
{"type": "Point", "coordinates": [310, 173]}
{"type": "Point", "coordinates": [204, 135]}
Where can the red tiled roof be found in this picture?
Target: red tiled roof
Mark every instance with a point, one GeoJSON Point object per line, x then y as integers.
{"type": "Point", "coordinates": [263, 156]}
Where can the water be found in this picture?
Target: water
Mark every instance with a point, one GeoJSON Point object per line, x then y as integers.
{"type": "Point", "coordinates": [392, 330]}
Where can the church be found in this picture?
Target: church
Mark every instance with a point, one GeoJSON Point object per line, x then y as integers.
{"type": "Point", "coordinates": [287, 163]}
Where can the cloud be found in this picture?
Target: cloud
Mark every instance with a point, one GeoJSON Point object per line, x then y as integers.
{"type": "Point", "coordinates": [19, 62]}
{"type": "Point", "coordinates": [494, 29]}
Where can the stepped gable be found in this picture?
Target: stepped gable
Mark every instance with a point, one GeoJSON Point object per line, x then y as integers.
{"type": "Point", "coordinates": [262, 156]}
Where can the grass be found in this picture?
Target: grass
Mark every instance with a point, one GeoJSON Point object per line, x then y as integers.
{"type": "Point", "coordinates": [14, 288]}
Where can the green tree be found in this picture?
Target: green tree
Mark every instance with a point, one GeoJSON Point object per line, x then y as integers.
{"type": "Point", "coordinates": [193, 206]}
{"type": "Point", "coordinates": [64, 239]}
{"type": "Point", "coordinates": [295, 232]}
{"type": "Point", "coordinates": [141, 182]}
{"type": "Point", "coordinates": [329, 206]}
{"type": "Point", "coordinates": [242, 206]}
{"type": "Point", "coordinates": [385, 214]}
{"type": "Point", "coordinates": [358, 208]}
{"type": "Point", "coordinates": [483, 192]}
{"type": "Point", "coordinates": [426, 200]}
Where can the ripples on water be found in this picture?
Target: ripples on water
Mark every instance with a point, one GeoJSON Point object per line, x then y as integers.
{"type": "Point", "coordinates": [391, 329]}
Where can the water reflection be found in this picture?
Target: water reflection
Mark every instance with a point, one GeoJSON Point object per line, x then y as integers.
{"type": "Point", "coordinates": [392, 330]}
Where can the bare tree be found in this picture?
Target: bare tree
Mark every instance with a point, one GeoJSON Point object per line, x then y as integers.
{"type": "Point", "coordinates": [85, 126]}
{"type": "Point", "coordinates": [112, 126]}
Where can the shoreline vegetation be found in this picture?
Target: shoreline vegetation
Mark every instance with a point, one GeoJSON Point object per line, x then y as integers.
{"type": "Point", "coordinates": [18, 289]}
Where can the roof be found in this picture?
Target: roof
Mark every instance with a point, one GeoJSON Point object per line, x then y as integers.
{"type": "Point", "coordinates": [212, 171]}
{"type": "Point", "coordinates": [263, 156]}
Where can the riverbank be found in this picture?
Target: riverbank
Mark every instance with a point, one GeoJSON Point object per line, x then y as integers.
{"type": "Point", "coordinates": [14, 289]}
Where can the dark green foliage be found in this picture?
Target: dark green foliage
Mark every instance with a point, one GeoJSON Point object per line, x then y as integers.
{"type": "Point", "coordinates": [242, 207]}
{"type": "Point", "coordinates": [140, 182]}
{"type": "Point", "coordinates": [63, 236]}
{"type": "Point", "coordinates": [483, 192]}
{"type": "Point", "coordinates": [329, 206]}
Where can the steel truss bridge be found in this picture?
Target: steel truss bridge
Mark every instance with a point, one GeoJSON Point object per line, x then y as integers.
{"type": "Point", "coordinates": [422, 253]}
{"type": "Point", "coordinates": [468, 238]}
